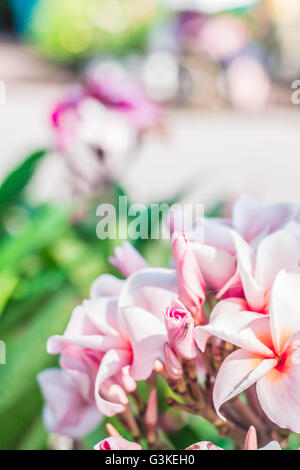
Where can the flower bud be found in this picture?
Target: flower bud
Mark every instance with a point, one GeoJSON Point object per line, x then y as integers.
{"type": "Point", "coordinates": [251, 439]}
{"type": "Point", "coordinates": [172, 364]}
{"type": "Point", "coordinates": [151, 415]}
{"type": "Point", "coordinates": [127, 259]}
{"type": "Point", "coordinates": [189, 276]}
{"type": "Point", "coordinates": [180, 328]}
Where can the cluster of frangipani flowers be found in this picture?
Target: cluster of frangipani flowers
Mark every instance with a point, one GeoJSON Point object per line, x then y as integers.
{"type": "Point", "coordinates": [222, 328]}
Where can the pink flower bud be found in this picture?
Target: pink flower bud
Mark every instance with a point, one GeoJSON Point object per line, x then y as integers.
{"type": "Point", "coordinates": [172, 364]}
{"type": "Point", "coordinates": [151, 415]}
{"type": "Point", "coordinates": [189, 276]}
{"type": "Point", "coordinates": [180, 327]}
{"type": "Point", "coordinates": [127, 259]}
{"type": "Point", "coordinates": [251, 439]}
{"type": "Point", "coordinates": [112, 432]}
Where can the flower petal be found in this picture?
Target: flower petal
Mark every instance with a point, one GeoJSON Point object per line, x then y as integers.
{"type": "Point", "coordinates": [209, 260]}
{"type": "Point", "coordinates": [111, 364]}
{"type": "Point", "coordinates": [284, 308]}
{"type": "Point", "coordinates": [254, 219]}
{"type": "Point", "coordinates": [244, 213]}
{"type": "Point", "coordinates": [147, 335]}
{"type": "Point", "coordinates": [127, 259]}
{"type": "Point", "coordinates": [253, 291]}
{"type": "Point", "coordinates": [93, 325]}
{"type": "Point", "coordinates": [278, 251]}
{"type": "Point", "coordinates": [103, 314]}
{"type": "Point", "coordinates": [230, 322]}
{"type": "Point", "coordinates": [151, 289]}
{"type": "Point", "coordinates": [106, 285]}
{"type": "Point", "coordinates": [279, 393]}
{"type": "Point", "coordinates": [216, 233]}
{"type": "Point", "coordinates": [239, 371]}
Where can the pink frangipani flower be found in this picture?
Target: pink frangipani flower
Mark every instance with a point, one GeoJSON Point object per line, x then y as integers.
{"type": "Point", "coordinates": [269, 354]}
{"type": "Point", "coordinates": [257, 269]}
{"type": "Point", "coordinates": [67, 411]}
{"type": "Point", "coordinates": [111, 344]}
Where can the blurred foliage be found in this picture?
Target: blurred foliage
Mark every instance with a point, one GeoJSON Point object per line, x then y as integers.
{"type": "Point", "coordinates": [70, 30]}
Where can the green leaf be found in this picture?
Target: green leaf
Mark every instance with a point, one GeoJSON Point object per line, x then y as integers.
{"type": "Point", "coordinates": [198, 429]}
{"type": "Point", "coordinates": [26, 354]}
{"type": "Point", "coordinates": [20, 311]}
{"type": "Point", "coordinates": [8, 282]}
{"type": "Point", "coordinates": [47, 224]}
{"type": "Point", "coordinates": [294, 442]}
{"type": "Point", "coordinates": [44, 282]}
{"type": "Point", "coordinates": [95, 436]}
{"type": "Point", "coordinates": [80, 262]}
{"type": "Point", "coordinates": [36, 437]}
{"type": "Point", "coordinates": [17, 180]}
{"type": "Point", "coordinates": [16, 421]}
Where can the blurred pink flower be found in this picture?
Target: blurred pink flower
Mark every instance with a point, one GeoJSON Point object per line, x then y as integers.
{"type": "Point", "coordinates": [106, 112]}
{"type": "Point", "coordinates": [65, 117]}
{"type": "Point", "coordinates": [113, 86]}
{"type": "Point", "coordinates": [250, 95]}
{"type": "Point", "coordinates": [223, 36]}
{"type": "Point", "coordinates": [68, 410]}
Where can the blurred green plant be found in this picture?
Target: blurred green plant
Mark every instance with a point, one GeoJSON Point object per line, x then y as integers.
{"type": "Point", "coordinates": [72, 30]}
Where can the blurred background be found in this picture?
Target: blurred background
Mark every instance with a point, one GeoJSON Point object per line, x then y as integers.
{"type": "Point", "coordinates": [215, 77]}
{"type": "Point", "coordinates": [222, 68]}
